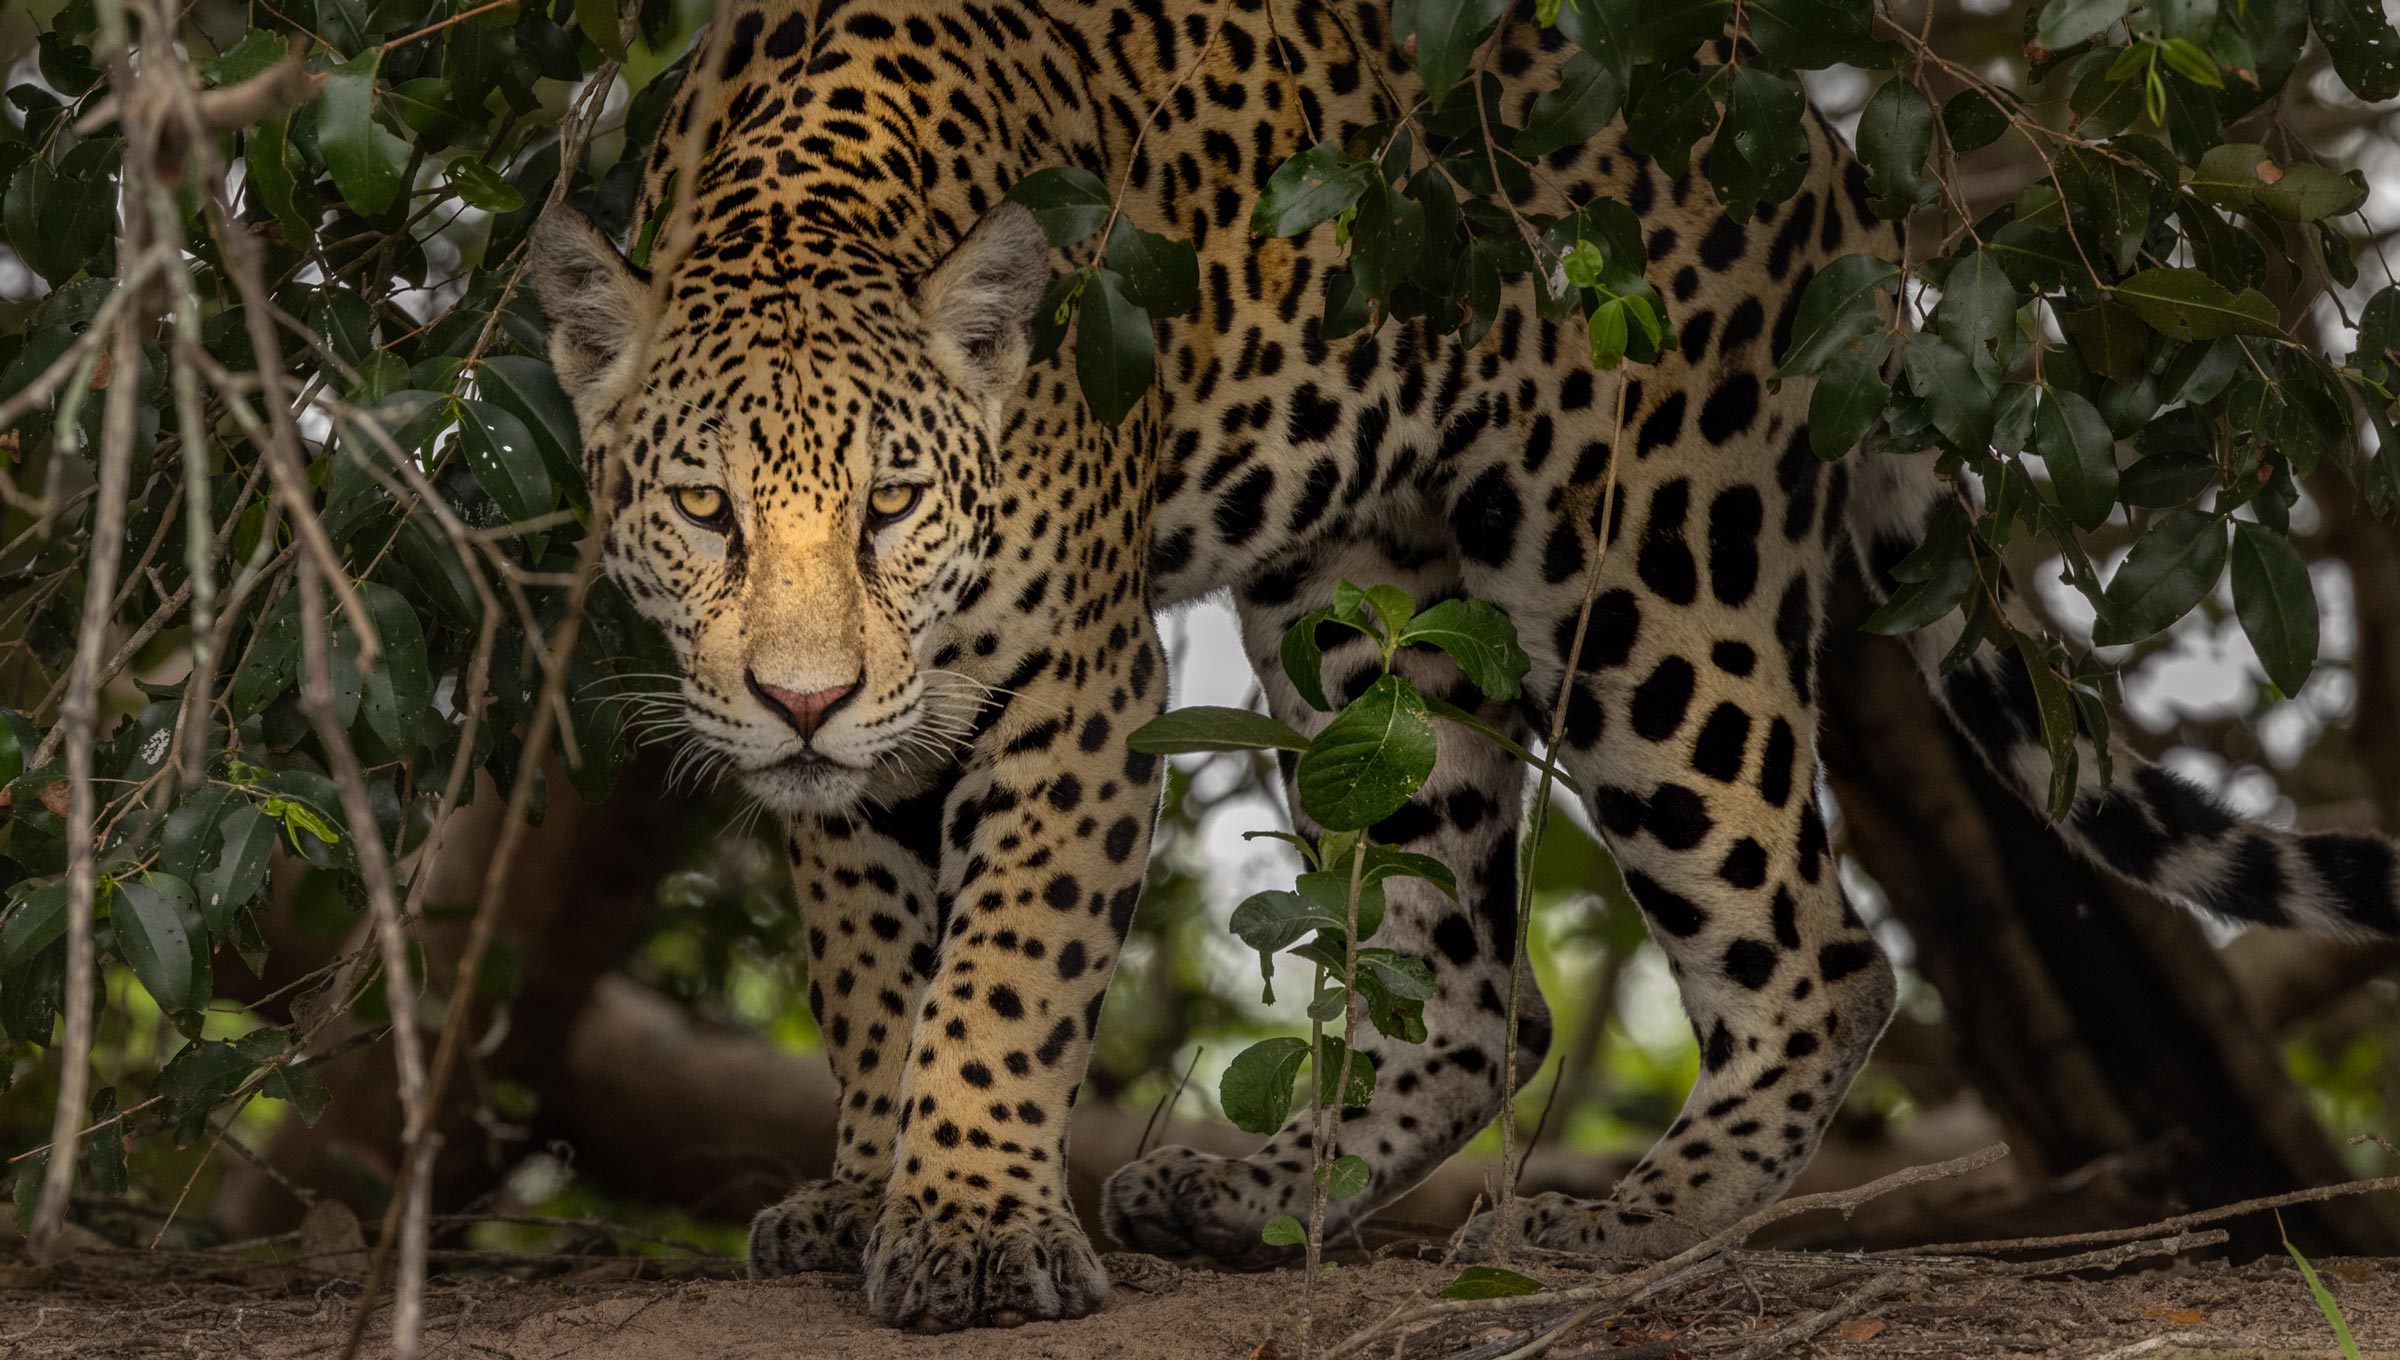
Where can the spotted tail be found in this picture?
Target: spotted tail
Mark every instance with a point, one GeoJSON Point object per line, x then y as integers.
{"type": "Point", "coordinates": [2147, 825]}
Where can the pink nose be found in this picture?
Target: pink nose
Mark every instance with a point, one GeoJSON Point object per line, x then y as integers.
{"type": "Point", "coordinates": [806, 709]}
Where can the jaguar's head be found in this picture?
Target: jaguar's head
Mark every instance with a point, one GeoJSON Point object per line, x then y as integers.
{"type": "Point", "coordinates": [799, 442]}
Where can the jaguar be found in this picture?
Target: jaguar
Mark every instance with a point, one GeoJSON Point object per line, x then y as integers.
{"type": "Point", "coordinates": [912, 584]}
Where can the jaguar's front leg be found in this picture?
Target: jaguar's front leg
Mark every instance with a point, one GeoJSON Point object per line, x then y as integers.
{"type": "Point", "coordinates": [1045, 843]}
{"type": "Point", "coordinates": [867, 887]}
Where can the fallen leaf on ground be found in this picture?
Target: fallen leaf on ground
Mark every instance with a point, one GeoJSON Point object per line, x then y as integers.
{"type": "Point", "coordinates": [1861, 1329]}
{"type": "Point", "coordinates": [2167, 1312]}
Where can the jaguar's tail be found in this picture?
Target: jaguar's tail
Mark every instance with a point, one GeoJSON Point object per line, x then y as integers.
{"type": "Point", "coordinates": [2146, 825]}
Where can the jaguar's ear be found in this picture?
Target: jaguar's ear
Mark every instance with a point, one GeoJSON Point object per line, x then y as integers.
{"type": "Point", "coordinates": [597, 302]}
{"type": "Point", "coordinates": [978, 303]}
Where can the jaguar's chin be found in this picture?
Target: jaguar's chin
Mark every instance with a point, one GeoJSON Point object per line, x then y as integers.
{"type": "Point", "coordinates": [808, 783]}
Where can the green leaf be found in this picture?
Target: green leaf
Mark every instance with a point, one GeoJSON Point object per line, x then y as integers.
{"type": "Point", "coordinates": [2276, 602]}
{"type": "Point", "coordinates": [1068, 201]}
{"type": "Point", "coordinates": [1973, 120]}
{"type": "Point", "coordinates": [1283, 1230]}
{"type": "Point", "coordinates": [505, 460]}
{"type": "Point", "coordinates": [1807, 35]}
{"type": "Point", "coordinates": [272, 663]}
{"type": "Point", "coordinates": [598, 21]}
{"type": "Point", "coordinates": [1204, 727]}
{"type": "Point", "coordinates": [107, 1144]}
{"type": "Point", "coordinates": [1256, 1090]}
{"type": "Point", "coordinates": [1348, 1084]}
{"type": "Point", "coordinates": [151, 917]}
{"type": "Point", "coordinates": [1979, 304]}
{"type": "Point", "coordinates": [1607, 333]}
{"type": "Point", "coordinates": [255, 54]}
{"type": "Point", "coordinates": [481, 186]}
{"type": "Point", "coordinates": [1402, 975]}
{"type": "Point", "coordinates": [2076, 446]}
{"type": "Point", "coordinates": [2111, 340]}
{"type": "Point", "coordinates": [1370, 760]}
{"type": "Point", "coordinates": [368, 164]}
{"type": "Point", "coordinates": [1958, 399]}
{"type": "Point", "coordinates": [2057, 711]}
{"type": "Point", "coordinates": [2175, 564]}
{"type": "Point", "coordinates": [1158, 275]}
{"type": "Point", "coordinates": [1677, 110]}
{"type": "Point", "coordinates": [301, 1088]}
{"type": "Point", "coordinates": [238, 871]}
{"type": "Point", "coordinates": [1761, 151]}
{"type": "Point", "coordinates": [1273, 921]}
{"type": "Point", "coordinates": [1839, 307]}
{"type": "Point", "coordinates": [2165, 480]}
{"type": "Point", "coordinates": [1304, 660]}
{"type": "Point", "coordinates": [37, 921]}
{"type": "Point", "coordinates": [1447, 33]}
{"type": "Point", "coordinates": [2365, 50]}
{"type": "Point", "coordinates": [1115, 350]}
{"type": "Point", "coordinates": [1590, 92]}
{"type": "Point", "coordinates": [1480, 639]}
{"type": "Point", "coordinates": [2189, 305]}
{"type": "Point", "coordinates": [1318, 184]}
{"type": "Point", "coordinates": [1387, 240]}
{"type": "Point", "coordinates": [1491, 1282]}
{"type": "Point", "coordinates": [2245, 176]}
{"type": "Point", "coordinates": [1348, 1176]}
{"type": "Point", "coordinates": [1895, 135]}
{"type": "Point", "coordinates": [2325, 1304]}
{"type": "Point", "coordinates": [2064, 23]}
{"type": "Point", "coordinates": [1849, 399]}
{"type": "Point", "coordinates": [528, 388]}
{"type": "Point", "coordinates": [399, 690]}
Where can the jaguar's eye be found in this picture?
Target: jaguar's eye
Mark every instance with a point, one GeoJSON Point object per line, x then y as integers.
{"type": "Point", "coordinates": [891, 503]}
{"type": "Point", "coordinates": [705, 506]}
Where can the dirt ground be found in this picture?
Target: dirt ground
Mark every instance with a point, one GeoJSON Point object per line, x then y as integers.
{"type": "Point", "coordinates": [113, 1304]}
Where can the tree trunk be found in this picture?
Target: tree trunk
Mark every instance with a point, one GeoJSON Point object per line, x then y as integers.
{"type": "Point", "coordinates": [2098, 1022]}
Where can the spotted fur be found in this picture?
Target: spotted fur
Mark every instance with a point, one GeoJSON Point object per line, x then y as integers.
{"type": "Point", "coordinates": [937, 700]}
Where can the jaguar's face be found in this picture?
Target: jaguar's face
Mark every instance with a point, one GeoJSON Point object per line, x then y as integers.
{"type": "Point", "coordinates": [801, 459]}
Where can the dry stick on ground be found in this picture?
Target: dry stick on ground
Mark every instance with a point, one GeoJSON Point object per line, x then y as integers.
{"type": "Point", "coordinates": [2377, 1185]}
{"type": "Point", "coordinates": [1633, 1283]}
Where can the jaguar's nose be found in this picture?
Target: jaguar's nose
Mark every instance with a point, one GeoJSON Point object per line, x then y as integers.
{"type": "Point", "coordinates": [805, 710]}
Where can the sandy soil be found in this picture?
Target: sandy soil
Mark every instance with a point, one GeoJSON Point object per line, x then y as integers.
{"type": "Point", "coordinates": [116, 1304]}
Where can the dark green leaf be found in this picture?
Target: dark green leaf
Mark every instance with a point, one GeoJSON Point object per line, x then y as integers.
{"type": "Point", "coordinates": [399, 689]}
{"type": "Point", "coordinates": [1311, 187]}
{"type": "Point", "coordinates": [37, 920]}
{"type": "Point", "coordinates": [2111, 339]}
{"type": "Point", "coordinates": [1158, 275]}
{"type": "Point", "coordinates": [1344, 1079]}
{"type": "Point", "coordinates": [2365, 50]}
{"type": "Point", "coordinates": [1387, 240]}
{"type": "Point", "coordinates": [598, 20]}
{"type": "Point", "coordinates": [1479, 638]}
{"type": "Point", "coordinates": [528, 388]}
{"type": "Point", "coordinates": [1849, 399]}
{"type": "Point", "coordinates": [1283, 1230]}
{"type": "Point", "coordinates": [1973, 120]}
{"type": "Point", "coordinates": [1958, 399]}
{"type": "Point", "coordinates": [1677, 110]}
{"type": "Point", "coordinates": [2065, 23]}
{"type": "Point", "coordinates": [505, 460]}
{"type": "Point", "coordinates": [1256, 1090]}
{"type": "Point", "coordinates": [2189, 305]}
{"type": "Point", "coordinates": [481, 186]}
{"type": "Point", "coordinates": [368, 164]}
{"type": "Point", "coordinates": [1490, 1282]}
{"type": "Point", "coordinates": [2175, 564]}
{"type": "Point", "coordinates": [1347, 1177]}
{"type": "Point", "coordinates": [2082, 457]}
{"type": "Point", "coordinates": [2057, 710]}
{"type": "Point", "coordinates": [1811, 34]}
{"type": "Point", "coordinates": [1840, 306]}
{"type": "Point", "coordinates": [1370, 760]}
{"type": "Point", "coordinates": [1446, 33]}
{"type": "Point", "coordinates": [257, 52]}
{"type": "Point", "coordinates": [151, 918]}
{"type": "Point", "coordinates": [2276, 602]}
{"type": "Point", "coordinates": [1761, 151]}
{"type": "Point", "coordinates": [1068, 201]}
{"type": "Point", "coordinates": [107, 1143]}
{"type": "Point", "coordinates": [1205, 728]}
{"type": "Point", "coordinates": [1589, 94]}
{"type": "Point", "coordinates": [2164, 480]}
{"type": "Point", "coordinates": [1895, 135]}
{"type": "Point", "coordinates": [1115, 350]}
